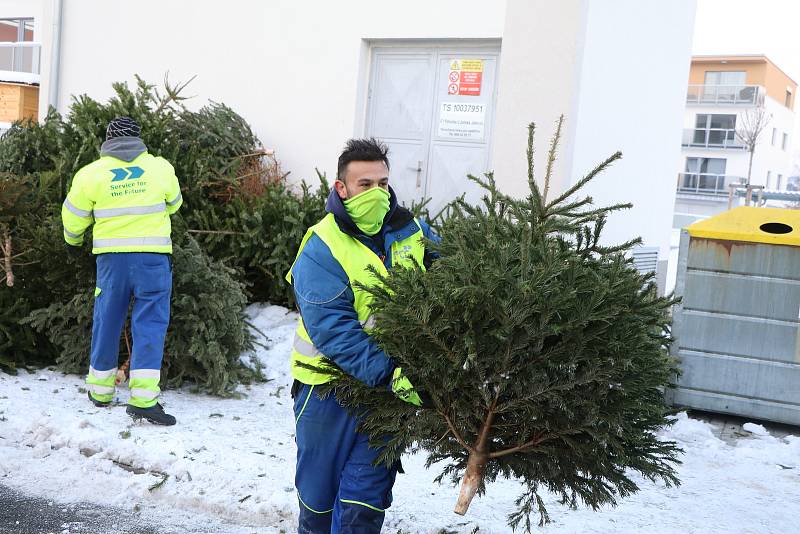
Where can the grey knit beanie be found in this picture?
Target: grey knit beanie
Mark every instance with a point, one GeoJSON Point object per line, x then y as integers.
{"type": "Point", "coordinates": [123, 127]}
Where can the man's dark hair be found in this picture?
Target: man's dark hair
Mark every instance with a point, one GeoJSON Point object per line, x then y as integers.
{"type": "Point", "coordinates": [361, 150]}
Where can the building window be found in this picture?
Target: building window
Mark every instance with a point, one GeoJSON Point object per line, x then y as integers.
{"type": "Point", "coordinates": [769, 179]}
{"type": "Point", "coordinates": [16, 30]}
{"type": "Point", "coordinates": [785, 143]}
{"type": "Point", "coordinates": [788, 101]}
{"type": "Point", "coordinates": [18, 59]}
{"type": "Point", "coordinates": [726, 86]}
{"type": "Point", "coordinates": [717, 131]}
{"type": "Point", "coordinates": [778, 185]}
{"type": "Point", "coordinates": [704, 176]}
{"type": "Point", "coordinates": [731, 77]}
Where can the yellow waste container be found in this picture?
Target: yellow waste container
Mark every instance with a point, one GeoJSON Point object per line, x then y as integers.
{"type": "Point", "coordinates": [736, 329]}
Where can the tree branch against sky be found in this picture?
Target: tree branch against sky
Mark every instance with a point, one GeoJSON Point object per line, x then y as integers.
{"type": "Point", "coordinates": [752, 124]}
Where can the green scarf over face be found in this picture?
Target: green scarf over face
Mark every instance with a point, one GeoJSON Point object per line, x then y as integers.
{"type": "Point", "coordinates": [368, 209]}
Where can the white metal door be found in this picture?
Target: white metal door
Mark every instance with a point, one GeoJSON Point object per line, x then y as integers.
{"type": "Point", "coordinates": [433, 106]}
{"type": "Point", "coordinates": [399, 114]}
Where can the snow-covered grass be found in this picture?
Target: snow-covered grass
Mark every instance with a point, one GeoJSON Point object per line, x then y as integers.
{"type": "Point", "coordinates": [228, 465]}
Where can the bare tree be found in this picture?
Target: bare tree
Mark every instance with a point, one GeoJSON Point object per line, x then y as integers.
{"type": "Point", "coordinates": [752, 124]}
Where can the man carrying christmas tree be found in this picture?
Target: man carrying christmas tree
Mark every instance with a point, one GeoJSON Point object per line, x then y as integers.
{"type": "Point", "coordinates": [128, 195]}
{"type": "Point", "coordinates": [339, 488]}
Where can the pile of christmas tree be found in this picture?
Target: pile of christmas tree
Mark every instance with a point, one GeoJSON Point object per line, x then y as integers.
{"type": "Point", "coordinates": [234, 238]}
{"type": "Point", "coordinates": [540, 353]}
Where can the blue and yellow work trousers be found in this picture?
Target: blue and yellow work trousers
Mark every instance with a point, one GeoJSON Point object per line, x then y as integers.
{"type": "Point", "coordinates": [339, 490]}
{"type": "Point", "coordinates": [147, 277]}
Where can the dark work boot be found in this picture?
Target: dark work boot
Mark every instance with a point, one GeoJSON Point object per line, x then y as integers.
{"type": "Point", "coordinates": [155, 414]}
{"type": "Point", "coordinates": [99, 404]}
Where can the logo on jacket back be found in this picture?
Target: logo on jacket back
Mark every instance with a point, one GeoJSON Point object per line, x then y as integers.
{"type": "Point", "coordinates": [130, 173]}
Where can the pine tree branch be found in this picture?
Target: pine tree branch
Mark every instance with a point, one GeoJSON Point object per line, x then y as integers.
{"type": "Point", "coordinates": [438, 342]}
{"type": "Point", "coordinates": [173, 93]}
{"type": "Point", "coordinates": [216, 232]}
{"type": "Point", "coordinates": [483, 435]}
{"type": "Point", "coordinates": [536, 195]}
{"type": "Point", "coordinates": [596, 213]}
{"type": "Point", "coordinates": [456, 433]}
{"type": "Point", "coordinates": [583, 181]}
{"type": "Point", "coordinates": [551, 158]}
{"type": "Point", "coordinates": [529, 152]}
{"type": "Point", "coordinates": [617, 248]}
{"type": "Point", "coordinates": [572, 206]}
{"type": "Point", "coordinates": [438, 441]}
{"type": "Point", "coordinates": [538, 440]}
{"type": "Point", "coordinates": [520, 448]}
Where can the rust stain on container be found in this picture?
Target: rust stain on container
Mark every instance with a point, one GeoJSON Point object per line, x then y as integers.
{"type": "Point", "coordinates": [718, 251]}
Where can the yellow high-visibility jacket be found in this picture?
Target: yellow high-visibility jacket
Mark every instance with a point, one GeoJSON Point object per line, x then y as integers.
{"type": "Point", "coordinates": [129, 203]}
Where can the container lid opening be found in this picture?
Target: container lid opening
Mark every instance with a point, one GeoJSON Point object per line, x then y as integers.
{"type": "Point", "coordinates": [775, 228]}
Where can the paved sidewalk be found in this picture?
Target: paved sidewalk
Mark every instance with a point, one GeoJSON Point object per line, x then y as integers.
{"type": "Point", "coordinates": [729, 427]}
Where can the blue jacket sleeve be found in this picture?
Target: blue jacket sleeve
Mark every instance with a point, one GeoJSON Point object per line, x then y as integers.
{"type": "Point", "coordinates": [427, 231]}
{"type": "Point", "coordinates": [325, 299]}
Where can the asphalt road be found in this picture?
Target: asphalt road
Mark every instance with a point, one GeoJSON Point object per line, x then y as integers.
{"type": "Point", "coordinates": [22, 514]}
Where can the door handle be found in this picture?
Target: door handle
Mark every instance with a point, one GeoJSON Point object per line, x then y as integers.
{"type": "Point", "coordinates": [419, 174]}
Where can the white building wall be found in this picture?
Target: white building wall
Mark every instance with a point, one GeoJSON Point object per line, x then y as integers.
{"type": "Point", "coordinates": [298, 72]}
{"type": "Point", "coordinates": [634, 72]}
{"type": "Point", "coordinates": [295, 70]}
{"type": "Point", "coordinates": [773, 157]}
{"type": "Point", "coordinates": [539, 80]}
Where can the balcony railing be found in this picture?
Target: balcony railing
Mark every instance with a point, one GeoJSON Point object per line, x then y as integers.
{"type": "Point", "coordinates": [19, 61]}
{"type": "Point", "coordinates": [707, 184]}
{"type": "Point", "coordinates": [715, 138]}
{"type": "Point", "coordinates": [725, 95]}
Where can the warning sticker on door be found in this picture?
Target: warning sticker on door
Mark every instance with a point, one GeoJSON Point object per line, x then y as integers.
{"type": "Point", "coordinates": [465, 78]}
{"type": "Point", "coordinates": [462, 121]}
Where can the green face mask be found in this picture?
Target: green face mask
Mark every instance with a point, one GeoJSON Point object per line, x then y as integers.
{"type": "Point", "coordinates": [368, 209]}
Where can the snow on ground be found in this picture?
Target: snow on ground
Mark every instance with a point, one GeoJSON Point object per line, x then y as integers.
{"type": "Point", "coordinates": [230, 464]}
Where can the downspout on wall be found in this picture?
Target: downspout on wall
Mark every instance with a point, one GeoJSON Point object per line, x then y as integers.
{"type": "Point", "coordinates": [55, 55]}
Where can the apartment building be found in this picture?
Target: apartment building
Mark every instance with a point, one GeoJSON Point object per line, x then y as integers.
{"type": "Point", "coordinates": [722, 91]}
{"type": "Point", "coordinates": [19, 70]}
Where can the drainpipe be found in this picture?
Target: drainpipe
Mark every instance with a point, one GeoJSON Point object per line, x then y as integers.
{"type": "Point", "coordinates": [55, 55]}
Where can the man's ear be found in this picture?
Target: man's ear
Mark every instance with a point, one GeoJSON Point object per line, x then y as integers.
{"type": "Point", "coordinates": [341, 189]}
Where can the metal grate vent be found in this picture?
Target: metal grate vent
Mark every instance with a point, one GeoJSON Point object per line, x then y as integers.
{"type": "Point", "coordinates": [645, 259]}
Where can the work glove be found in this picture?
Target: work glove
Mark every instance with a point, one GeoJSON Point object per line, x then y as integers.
{"type": "Point", "coordinates": [402, 387]}
{"type": "Point", "coordinates": [73, 250]}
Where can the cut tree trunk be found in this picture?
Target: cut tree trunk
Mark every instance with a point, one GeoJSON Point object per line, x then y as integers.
{"type": "Point", "coordinates": [123, 371]}
{"type": "Point", "coordinates": [7, 258]}
{"type": "Point", "coordinates": [476, 467]}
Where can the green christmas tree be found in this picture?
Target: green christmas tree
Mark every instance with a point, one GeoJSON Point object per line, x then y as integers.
{"type": "Point", "coordinates": [46, 302]}
{"type": "Point", "coordinates": [541, 354]}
